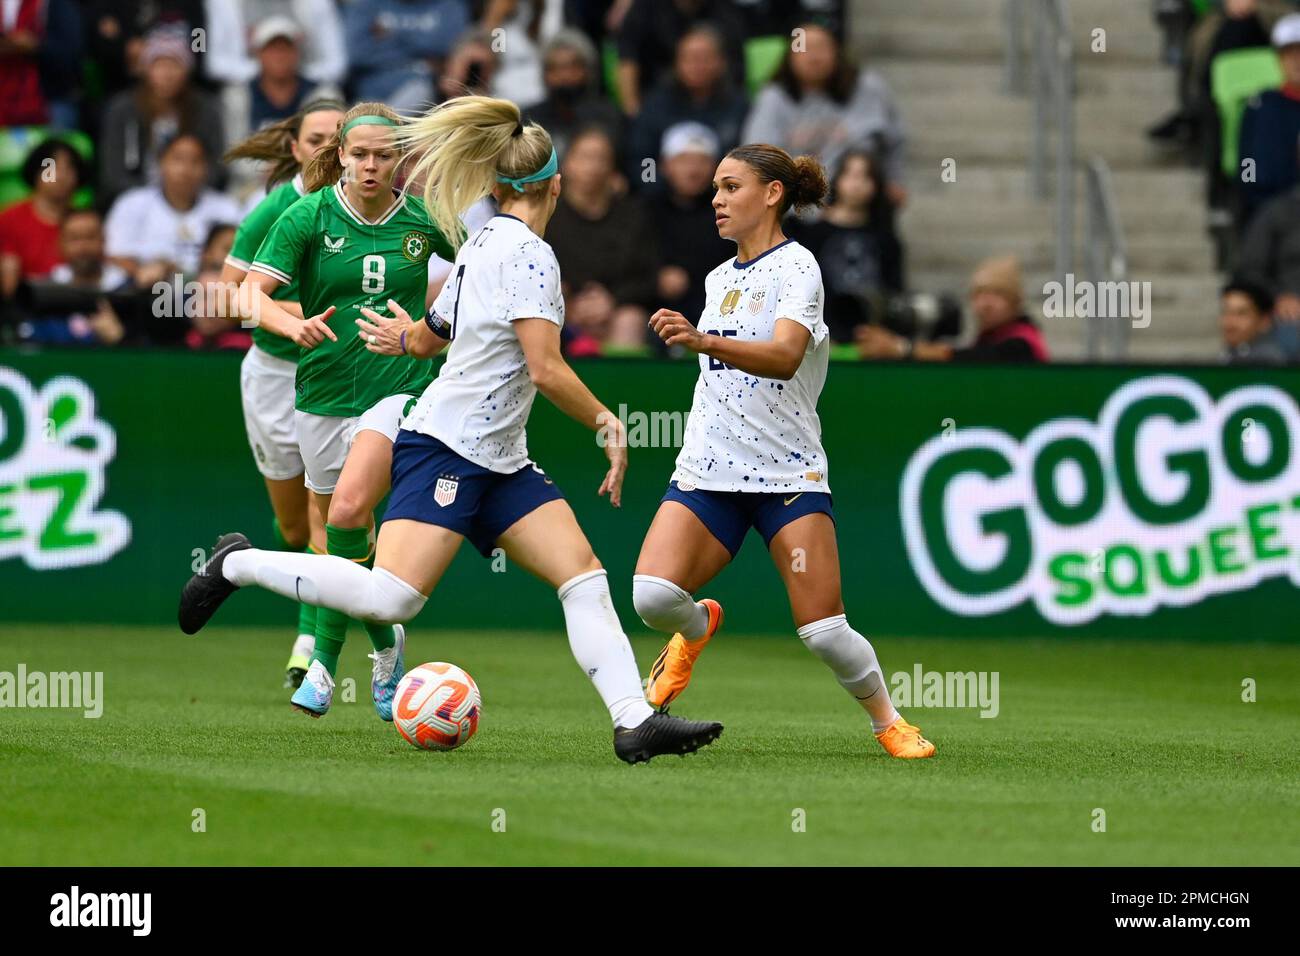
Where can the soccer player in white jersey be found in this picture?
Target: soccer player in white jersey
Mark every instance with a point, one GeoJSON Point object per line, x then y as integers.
{"type": "Point", "coordinates": [752, 455]}
{"type": "Point", "coordinates": [460, 463]}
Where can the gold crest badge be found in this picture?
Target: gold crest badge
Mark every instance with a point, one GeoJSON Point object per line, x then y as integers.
{"type": "Point", "coordinates": [729, 302]}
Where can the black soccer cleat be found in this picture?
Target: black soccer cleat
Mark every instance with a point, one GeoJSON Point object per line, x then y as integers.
{"type": "Point", "coordinates": [204, 592]}
{"type": "Point", "coordinates": [293, 677]}
{"type": "Point", "coordinates": [664, 734]}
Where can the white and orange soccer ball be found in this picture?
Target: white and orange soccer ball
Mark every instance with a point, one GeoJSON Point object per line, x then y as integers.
{"type": "Point", "coordinates": [437, 706]}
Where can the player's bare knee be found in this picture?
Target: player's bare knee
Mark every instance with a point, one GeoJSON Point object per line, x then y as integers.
{"type": "Point", "coordinates": [348, 510]}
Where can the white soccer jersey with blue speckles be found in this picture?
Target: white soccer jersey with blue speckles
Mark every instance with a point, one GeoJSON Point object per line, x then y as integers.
{"type": "Point", "coordinates": [479, 403]}
{"type": "Point", "coordinates": [747, 433]}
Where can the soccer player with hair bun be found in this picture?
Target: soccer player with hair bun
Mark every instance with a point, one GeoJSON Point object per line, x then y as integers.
{"type": "Point", "coordinates": [752, 455]}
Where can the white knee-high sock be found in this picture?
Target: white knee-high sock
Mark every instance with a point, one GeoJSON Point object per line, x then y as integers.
{"type": "Point", "coordinates": [663, 606]}
{"type": "Point", "coordinates": [327, 581]}
{"type": "Point", "coordinates": [601, 648]}
{"type": "Point", "coordinates": [852, 659]}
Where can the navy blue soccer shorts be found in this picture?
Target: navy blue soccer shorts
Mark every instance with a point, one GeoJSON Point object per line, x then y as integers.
{"type": "Point", "coordinates": [435, 485]}
{"type": "Point", "coordinates": [730, 514]}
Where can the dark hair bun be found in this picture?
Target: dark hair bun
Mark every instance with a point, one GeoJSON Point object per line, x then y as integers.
{"type": "Point", "coordinates": [810, 186]}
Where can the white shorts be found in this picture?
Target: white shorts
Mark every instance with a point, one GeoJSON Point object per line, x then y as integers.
{"type": "Point", "coordinates": [325, 441]}
{"type": "Point", "coordinates": [266, 388]}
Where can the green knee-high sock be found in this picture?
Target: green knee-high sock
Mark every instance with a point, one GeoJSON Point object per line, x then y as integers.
{"type": "Point", "coordinates": [306, 612]}
{"type": "Point", "coordinates": [354, 544]}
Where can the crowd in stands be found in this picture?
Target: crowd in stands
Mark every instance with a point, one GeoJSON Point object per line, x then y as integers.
{"type": "Point", "coordinates": [1238, 116]}
{"type": "Point", "coordinates": [115, 118]}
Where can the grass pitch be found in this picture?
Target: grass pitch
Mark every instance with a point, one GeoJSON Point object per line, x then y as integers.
{"type": "Point", "coordinates": [1156, 735]}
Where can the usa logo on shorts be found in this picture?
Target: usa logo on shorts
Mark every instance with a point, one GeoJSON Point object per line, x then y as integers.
{"type": "Point", "coordinates": [445, 491]}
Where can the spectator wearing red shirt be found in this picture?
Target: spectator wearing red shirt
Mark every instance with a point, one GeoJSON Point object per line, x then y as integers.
{"type": "Point", "coordinates": [29, 230]}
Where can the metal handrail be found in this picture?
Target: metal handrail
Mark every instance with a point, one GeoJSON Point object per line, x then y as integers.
{"type": "Point", "coordinates": [1053, 92]}
{"type": "Point", "coordinates": [1105, 255]}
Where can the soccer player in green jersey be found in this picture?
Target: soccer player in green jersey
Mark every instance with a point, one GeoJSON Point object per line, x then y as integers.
{"type": "Point", "coordinates": [266, 376]}
{"type": "Point", "coordinates": [353, 242]}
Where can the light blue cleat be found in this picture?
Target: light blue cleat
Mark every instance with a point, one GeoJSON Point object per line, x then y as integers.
{"type": "Point", "coordinates": [388, 669]}
{"type": "Point", "coordinates": [315, 693]}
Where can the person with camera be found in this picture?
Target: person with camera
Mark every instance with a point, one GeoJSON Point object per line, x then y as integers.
{"type": "Point", "coordinates": [1006, 332]}
{"type": "Point", "coordinates": [93, 320]}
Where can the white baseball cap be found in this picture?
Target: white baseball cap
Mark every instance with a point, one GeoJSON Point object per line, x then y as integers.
{"type": "Point", "coordinates": [273, 28]}
{"type": "Point", "coordinates": [1287, 31]}
{"type": "Point", "coordinates": [689, 137]}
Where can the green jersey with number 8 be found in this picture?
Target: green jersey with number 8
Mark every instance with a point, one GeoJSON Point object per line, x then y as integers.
{"type": "Point", "coordinates": [338, 258]}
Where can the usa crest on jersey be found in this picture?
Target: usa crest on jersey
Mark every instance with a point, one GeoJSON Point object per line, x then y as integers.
{"type": "Point", "coordinates": [444, 493]}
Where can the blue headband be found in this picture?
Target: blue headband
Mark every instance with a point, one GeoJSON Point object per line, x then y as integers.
{"type": "Point", "coordinates": [546, 172]}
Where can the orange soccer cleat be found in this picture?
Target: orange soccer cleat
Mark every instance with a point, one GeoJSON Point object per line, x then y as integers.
{"type": "Point", "coordinates": [671, 671]}
{"type": "Point", "coordinates": [901, 739]}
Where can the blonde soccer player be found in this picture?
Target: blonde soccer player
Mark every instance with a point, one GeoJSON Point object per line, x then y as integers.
{"type": "Point", "coordinates": [461, 465]}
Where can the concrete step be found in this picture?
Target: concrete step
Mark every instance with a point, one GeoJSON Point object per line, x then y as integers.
{"type": "Point", "coordinates": [976, 29]}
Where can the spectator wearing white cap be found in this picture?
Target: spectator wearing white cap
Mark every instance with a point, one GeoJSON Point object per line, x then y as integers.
{"type": "Point", "coordinates": [232, 48]}
{"type": "Point", "coordinates": [163, 104]}
{"type": "Point", "coordinates": [279, 90]}
{"type": "Point", "coordinates": [683, 218]}
{"type": "Point", "coordinates": [1270, 127]}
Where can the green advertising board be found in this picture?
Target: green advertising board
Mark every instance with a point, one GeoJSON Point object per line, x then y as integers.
{"type": "Point", "coordinates": [1107, 501]}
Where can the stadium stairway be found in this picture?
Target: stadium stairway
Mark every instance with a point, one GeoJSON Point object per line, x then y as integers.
{"type": "Point", "coordinates": [944, 61]}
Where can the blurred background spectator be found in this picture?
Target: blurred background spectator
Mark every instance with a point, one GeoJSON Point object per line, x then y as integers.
{"type": "Point", "coordinates": [648, 36]}
{"type": "Point", "coordinates": [605, 245]}
{"type": "Point", "coordinates": [1270, 254]}
{"type": "Point", "coordinates": [83, 266]}
{"type": "Point", "coordinates": [820, 103]}
{"type": "Point", "coordinates": [855, 244]}
{"type": "Point", "coordinates": [156, 232]}
{"type": "Point", "coordinates": [572, 100]}
{"type": "Point", "coordinates": [165, 102]}
{"type": "Point", "coordinates": [40, 48]}
{"type": "Point", "coordinates": [210, 328]}
{"type": "Point", "coordinates": [521, 29]}
{"type": "Point", "coordinates": [1250, 336]}
{"type": "Point", "coordinates": [397, 48]}
{"type": "Point", "coordinates": [683, 218]}
{"type": "Point", "coordinates": [279, 89]}
{"type": "Point", "coordinates": [699, 89]}
{"type": "Point", "coordinates": [1270, 127]}
{"type": "Point", "coordinates": [232, 54]}
{"type": "Point", "coordinates": [29, 229]}
{"type": "Point", "coordinates": [1005, 332]}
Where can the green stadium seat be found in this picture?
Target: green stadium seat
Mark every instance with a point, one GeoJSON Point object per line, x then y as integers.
{"type": "Point", "coordinates": [763, 56]}
{"type": "Point", "coordinates": [1235, 77]}
{"type": "Point", "coordinates": [609, 64]}
{"type": "Point", "coordinates": [17, 141]}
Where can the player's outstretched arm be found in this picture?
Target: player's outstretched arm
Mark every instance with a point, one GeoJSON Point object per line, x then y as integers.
{"type": "Point", "coordinates": [556, 380]}
{"type": "Point", "coordinates": [398, 335]}
{"type": "Point", "coordinates": [779, 357]}
{"type": "Point", "coordinates": [254, 303]}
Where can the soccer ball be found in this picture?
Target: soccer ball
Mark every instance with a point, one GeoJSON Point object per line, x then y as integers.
{"type": "Point", "coordinates": [436, 706]}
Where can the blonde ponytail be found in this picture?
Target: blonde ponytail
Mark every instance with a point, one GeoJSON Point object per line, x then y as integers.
{"type": "Point", "coordinates": [458, 149]}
